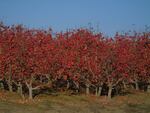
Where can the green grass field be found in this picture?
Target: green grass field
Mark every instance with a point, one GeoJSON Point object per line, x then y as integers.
{"type": "Point", "coordinates": [138, 102]}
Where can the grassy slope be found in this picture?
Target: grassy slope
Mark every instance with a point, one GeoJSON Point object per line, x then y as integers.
{"type": "Point", "coordinates": [132, 103]}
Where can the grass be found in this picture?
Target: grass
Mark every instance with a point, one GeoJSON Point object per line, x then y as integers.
{"type": "Point", "coordinates": [139, 102]}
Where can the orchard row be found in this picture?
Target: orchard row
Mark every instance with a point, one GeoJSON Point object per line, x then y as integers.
{"type": "Point", "coordinates": [78, 60]}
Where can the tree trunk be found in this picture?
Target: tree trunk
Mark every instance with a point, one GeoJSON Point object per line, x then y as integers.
{"type": "Point", "coordinates": [41, 79]}
{"type": "Point", "coordinates": [124, 85]}
{"type": "Point", "coordinates": [77, 87]}
{"type": "Point", "coordinates": [68, 84]}
{"type": "Point", "coordinates": [99, 91]}
{"type": "Point", "coordinates": [10, 86]}
{"type": "Point", "coordinates": [109, 91]}
{"type": "Point", "coordinates": [136, 86]}
{"type": "Point", "coordinates": [132, 86]}
{"type": "Point", "coordinates": [10, 79]}
{"type": "Point", "coordinates": [87, 89]}
{"type": "Point", "coordinates": [20, 89]}
{"type": "Point", "coordinates": [1, 85]}
{"type": "Point", "coordinates": [96, 91]}
{"type": "Point", "coordinates": [30, 89]}
{"type": "Point", "coordinates": [30, 92]}
{"type": "Point", "coordinates": [148, 88]}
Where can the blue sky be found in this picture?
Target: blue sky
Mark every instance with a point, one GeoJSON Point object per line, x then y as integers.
{"type": "Point", "coordinates": [109, 16]}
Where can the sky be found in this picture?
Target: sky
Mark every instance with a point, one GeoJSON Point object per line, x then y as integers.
{"type": "Point", "coordinates": [107, 16]}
